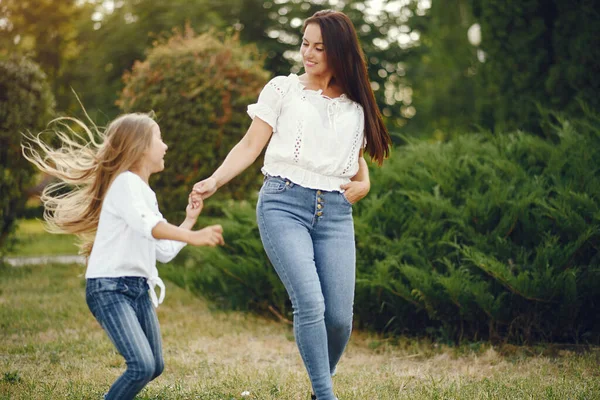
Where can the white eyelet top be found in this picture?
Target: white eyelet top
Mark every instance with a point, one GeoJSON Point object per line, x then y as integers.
{"type": "Point", "coordinates": [316, 139]}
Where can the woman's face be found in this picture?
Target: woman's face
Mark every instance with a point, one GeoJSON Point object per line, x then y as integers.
{"type": "Point", "coordinates": [313, 51]}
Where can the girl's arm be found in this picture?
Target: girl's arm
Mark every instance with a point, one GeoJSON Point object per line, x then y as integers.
{"type": "Point", "coordinates": [241, 156]}
{"type": "Point", "coordinates": [125, 198]}
{"type": "Point", "coordinates": [209, 236]}
{"type": "Point", "coordinates": [166, 250]}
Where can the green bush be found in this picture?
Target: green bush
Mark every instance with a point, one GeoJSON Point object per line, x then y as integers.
{"type": "Point", "coordinates": [238, 276]}
{"type": "Point", "coordinates": [26, 104]}
{"type": "Point", "coordinates": [490, 236]}
{"type": "Point", "coordinates": [199, 88]}
{"type": "Point", "coordinates": [483, 237]}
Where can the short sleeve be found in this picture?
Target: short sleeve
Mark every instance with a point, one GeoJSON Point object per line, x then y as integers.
{"type": "Point", "coordinates": [268, 106]}
{"type": "Point", "coordinates": [126, 199]}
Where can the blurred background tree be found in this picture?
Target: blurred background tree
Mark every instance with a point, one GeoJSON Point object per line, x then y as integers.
{"type": "Point", "coordinates": [106, 37]}
{"type": "Point", "coordinates": [437, 67]}
{"type": "Point", "coordinates": [26, 104]}
{"type": "Point", "coordinates": [49, 33]}
{"type": "Point", "coordinates": [537, 52]}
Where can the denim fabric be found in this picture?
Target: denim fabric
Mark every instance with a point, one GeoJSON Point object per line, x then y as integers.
{"type": "Point", "coordinates": [124, 309]}
{"type": "Point", "coordinates": [309, 237]}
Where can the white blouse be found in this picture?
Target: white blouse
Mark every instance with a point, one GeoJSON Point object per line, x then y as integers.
{"type": "Point", "coordinates": [316, 139]}
{"type": "Point", "coordinates": [124, 245]}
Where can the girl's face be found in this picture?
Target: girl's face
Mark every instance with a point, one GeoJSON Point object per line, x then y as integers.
{"type": "Point", "coordinates": [154, 156]}
{"type": "Point", "coordinates": [313, 51]}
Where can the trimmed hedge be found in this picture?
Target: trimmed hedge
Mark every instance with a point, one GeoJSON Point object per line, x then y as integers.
{"type": "Point", "coordinates": [199, 88]}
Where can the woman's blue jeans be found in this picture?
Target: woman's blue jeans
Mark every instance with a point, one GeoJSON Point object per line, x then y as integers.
{"type": "Point", "coordinates": [309, 237]}
{"type": "Point", "coordinates": [124, 309]}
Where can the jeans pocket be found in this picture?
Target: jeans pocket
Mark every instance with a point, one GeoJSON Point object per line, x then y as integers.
{"type": "Point", "coordinates": [274, 185]}
{"type": "Point", "coordinates": [346, 199]}
{"type": "Point", "coordinates": [100, 285]}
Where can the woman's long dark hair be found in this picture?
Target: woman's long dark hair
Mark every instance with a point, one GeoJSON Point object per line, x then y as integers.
{"type": "Point", "coordinates": [347, 60]}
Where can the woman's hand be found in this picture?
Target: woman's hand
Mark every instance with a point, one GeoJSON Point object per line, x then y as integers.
{"type": "Point", "coordinates": [194, 207]}
{"type": "Point", "coordinates": [355, 190]}
{"type": "Point", "coordinates": [206, 188]}
{"type": "Point", "coordinates": [210, 236]}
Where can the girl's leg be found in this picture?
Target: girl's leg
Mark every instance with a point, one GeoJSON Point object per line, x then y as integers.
{"type": "Point", "coordinates": [335, 258]}
{"type": "Point", "coordinates": [149, 323]}
{"type": "Point", "coordinates": [284, 222]}
{"type": "Point", "coordinates": [112, 302]}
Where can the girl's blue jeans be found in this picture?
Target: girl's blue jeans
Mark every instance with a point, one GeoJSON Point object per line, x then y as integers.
{"type": "Point", "coordinates": [309, 237]}
{"type": "Point", "coordinates": [124, 309]}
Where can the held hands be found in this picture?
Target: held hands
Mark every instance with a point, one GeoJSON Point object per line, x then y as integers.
{"type": "Point", "coordinates": [210, 236]}
{"type": "Point", "coordinates": [206, 188]}
{"type": "Point", "coordinates": [194, 207]}
{"type": "Point", "coordinates": [355, 190]}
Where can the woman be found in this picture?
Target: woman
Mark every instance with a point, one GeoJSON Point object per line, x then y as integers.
{"type": "Point", "coordinates": [317, 126]}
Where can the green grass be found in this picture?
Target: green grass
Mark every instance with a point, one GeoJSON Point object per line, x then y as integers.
{"type": "Point", "coordinates": [52, 348]}
{"type": "Point", "coordinates": [33, 240]}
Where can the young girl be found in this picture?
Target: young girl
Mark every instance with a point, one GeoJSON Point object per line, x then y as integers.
{"type": "Point", "coordinates": [115, 213]}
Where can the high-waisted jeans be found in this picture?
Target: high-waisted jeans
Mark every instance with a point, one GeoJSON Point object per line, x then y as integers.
{"type": "Point", "coordinates": [124, 309]}
{"type": "Point", "coordinates": [309, 237]}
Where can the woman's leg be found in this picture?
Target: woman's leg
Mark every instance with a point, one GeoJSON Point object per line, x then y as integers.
{"type": "Point", "coordinates": [335, 258]}
{"type": "Point", "coordinates": [112, 302]}
{"type": "Point", "coordinates": [285, 222]}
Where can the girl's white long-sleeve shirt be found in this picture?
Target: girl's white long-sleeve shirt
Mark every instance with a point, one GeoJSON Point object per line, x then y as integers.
{"type": "Point", "coordinates": [316, 139]}
{"type": "Point", "coordinates": [124, 245]}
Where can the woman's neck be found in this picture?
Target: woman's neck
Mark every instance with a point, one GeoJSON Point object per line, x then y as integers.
{"type": "Point", "coordinates": [316, 82]}
{"type": "Point", "coordinates": [326, 84]}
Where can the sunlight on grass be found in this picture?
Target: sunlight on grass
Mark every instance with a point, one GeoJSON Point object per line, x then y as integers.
{"type": "Point", "coordinates": [52, 348]}
{"type": "Point", "coordinates": [33, 240]}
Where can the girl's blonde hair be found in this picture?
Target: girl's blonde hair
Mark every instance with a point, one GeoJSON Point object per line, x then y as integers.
{"type": "Point", "coordinates": [85, 165]}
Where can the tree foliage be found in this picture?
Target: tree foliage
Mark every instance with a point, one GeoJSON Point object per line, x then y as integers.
{"type": "Point", "coordinates": [92, 54]}
{"type": "Point", "coordinates": [26, 104]}
{"type": "Point", "coordinates": [537, 52]}
{"type": "Point", "coordinates": [46, 32]}
{"type": "Point", "coordinates": [441, 85]}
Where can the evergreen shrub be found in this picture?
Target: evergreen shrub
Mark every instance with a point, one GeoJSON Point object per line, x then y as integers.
{"type": "Point", "coordinates": [486, 236]}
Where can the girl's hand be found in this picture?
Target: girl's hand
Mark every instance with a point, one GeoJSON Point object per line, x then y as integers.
{"type": "Point", "coordinates": [355, 191]}
{"type": "Point", "coordinates": [210, 236]}
{"type": "Point", "coordinates": [194, 207]}
{"type": "Point", "coordinates": [206, 188]}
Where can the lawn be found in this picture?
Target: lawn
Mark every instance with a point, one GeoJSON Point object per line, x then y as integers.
{"type": "Point", "coordinates": [33, 240]}
{"type": "Point", "coordinates": [52, 348]}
